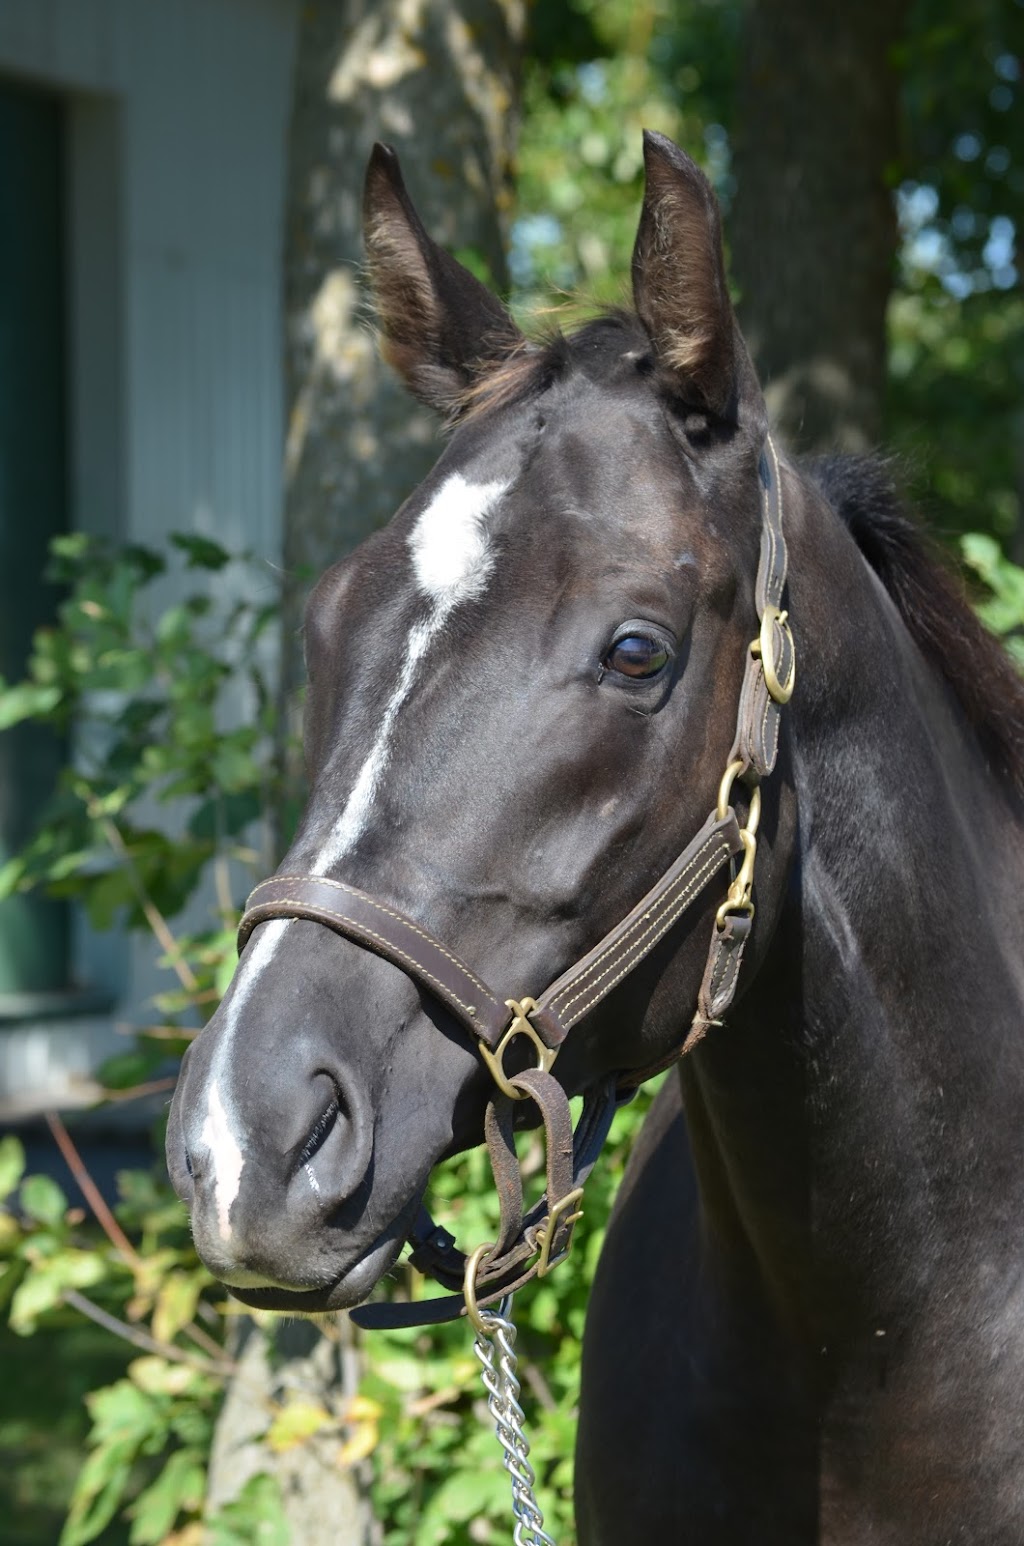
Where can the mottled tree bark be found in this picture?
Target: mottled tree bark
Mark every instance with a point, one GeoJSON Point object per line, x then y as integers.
{"type": "Point", "coordinates": [438, 81]}
{"type": "Point", "coordinates": [324, 1502]}
{"type": "Point", "coordinates": [813, 229]}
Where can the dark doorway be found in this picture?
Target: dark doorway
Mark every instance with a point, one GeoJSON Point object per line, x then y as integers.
{"type": "Point", "coordinates": [33, 503]}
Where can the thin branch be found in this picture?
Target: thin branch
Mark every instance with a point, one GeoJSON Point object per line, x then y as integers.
{"type": "Point", "coordinates": [539, 1385]}
{"type": "Point", "coordinates": [168, 1031]}
{"type": "Point", "coordinates": [136, 1091]}
{"type": "Point", "coordinates": [203, 1340]}
{"type": "Point", "coordinates": [111, 1228]}
{"type": "Point", "coordinates": [141, 1339]}
{"type": "Point", "coordinates": [154, 917]}
{"type": "Point", "coordinates": [90, 1191]}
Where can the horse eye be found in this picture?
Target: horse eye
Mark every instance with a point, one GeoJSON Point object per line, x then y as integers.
{"type": "Point", "coordinates": [637, 656]}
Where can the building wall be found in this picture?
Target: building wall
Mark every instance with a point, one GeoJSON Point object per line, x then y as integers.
{"type": "Point", "coordinates": [178, 114]}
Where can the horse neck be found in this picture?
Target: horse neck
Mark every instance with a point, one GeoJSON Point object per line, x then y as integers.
{"type": "Point", "coordinates": [857, 1119]}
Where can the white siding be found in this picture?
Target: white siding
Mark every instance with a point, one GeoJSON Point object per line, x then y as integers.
{"type": "Point", "coordinates": [200, 93]}
{"type": "Point", "coordinates": [178, 129]}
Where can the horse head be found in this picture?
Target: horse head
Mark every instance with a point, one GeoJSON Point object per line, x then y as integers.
{"type": "Point", "coordinates": [522, 697]}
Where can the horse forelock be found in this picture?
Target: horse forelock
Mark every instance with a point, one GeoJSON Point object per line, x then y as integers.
{"type": "Point", "coordinates": [597, 346]}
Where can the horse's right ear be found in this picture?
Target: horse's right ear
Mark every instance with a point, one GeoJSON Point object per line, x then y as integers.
{"type": "Point", "coordinates": [440, 326]}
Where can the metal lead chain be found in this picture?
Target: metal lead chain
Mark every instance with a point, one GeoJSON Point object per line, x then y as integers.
{"type": "Point", "coordinates": [494, 1346]}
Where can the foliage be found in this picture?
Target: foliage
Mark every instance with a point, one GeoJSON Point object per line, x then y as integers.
{"type": "Point", "coordinates": [150, 1430]}
{"type": "Point", "coordinates": [172, 713]}
{"type": "Point", "coordinates": [438, 1475]}
{"type": "Point", "coordinates": [172, 716]}
{"type": "Point", "coordinates": [1002, 607]}
{"type": "Point", "coordinates": [173, 724]}
{"type": "Point", "coordinates": [437, 1468]}
{"type": "Point", "coordinates": [596, 76]}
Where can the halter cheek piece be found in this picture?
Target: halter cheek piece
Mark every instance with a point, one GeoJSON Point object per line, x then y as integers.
{"type": "Point", "coordinates": [530, 1244]}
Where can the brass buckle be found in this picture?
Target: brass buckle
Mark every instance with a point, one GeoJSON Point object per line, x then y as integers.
{"type": "Point", "coordinates": [546, 1233]}
{"type": "Point", "coordinates": [521, 1009]}
{"type": "Point", "coordinates": [738, 898]}
{"type": "Point", "coordinates": [764, 648]}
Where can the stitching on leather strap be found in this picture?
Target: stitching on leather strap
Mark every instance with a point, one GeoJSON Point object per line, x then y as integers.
{"type": "Point", "coordinates": [728, 986]}
{"type": "Point", "coordinates": [406, 923]}
{"type": "Point", "coordinates": [326, 912]}
{"type": "Point", "coordinates": [688, 879]}
{"type": "Point", "coordinates": [664, 923]}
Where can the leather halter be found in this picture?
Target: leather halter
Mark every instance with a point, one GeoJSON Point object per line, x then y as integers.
{"type": "Point", "coordinates": [531, 1244]}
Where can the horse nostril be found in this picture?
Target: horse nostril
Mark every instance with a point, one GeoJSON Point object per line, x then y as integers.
{"type": "Point", "coordinates": [321, 1130]}
{"type": "Point", "coordinates": [333, 1158]}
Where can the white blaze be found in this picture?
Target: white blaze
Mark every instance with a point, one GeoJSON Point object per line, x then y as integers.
{"type": "Point", "coordinates": [226, 1158]}
{"type": "Point", "coordinates": [451, 554]}
{"type": "Point", "coordinates": [452, 560]}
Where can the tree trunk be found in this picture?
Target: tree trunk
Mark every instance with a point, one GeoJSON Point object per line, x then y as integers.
{"type": "Point", "coordinates": [324, 1503]}
{"type": "Point", "coordinates": [438, 81]}
{"type": "Point", "coordinates": [813, 228]}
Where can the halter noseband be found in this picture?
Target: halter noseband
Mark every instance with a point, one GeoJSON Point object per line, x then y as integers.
{"type": "Point", "coordinates": [530, 1245]}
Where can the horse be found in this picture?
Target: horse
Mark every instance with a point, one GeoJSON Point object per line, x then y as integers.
{"type": "Point", "coordinates": [525, 695]}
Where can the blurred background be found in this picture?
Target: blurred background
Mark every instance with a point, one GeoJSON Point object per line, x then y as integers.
{"type": "Point", "coordinates": [194, 423]}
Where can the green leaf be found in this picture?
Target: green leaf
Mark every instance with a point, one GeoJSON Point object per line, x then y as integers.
{"type": "Point", "coordinates": [122, 1408]}
{"type": "Point", "coordinates": [28, 700]}
{"type": "Point", "coordinates": [99, 1490]}
{"type": "Point", "coordinates": [467, 1494]}
{"type": "Point", "coordinates": [12, 1164]}
{"type": "Point", "coordinates": [254, 1518]}
{"type": "Point", "coordinates": [296, 1422]}
{"type": "Point", "coordinates": [160, 1377]}
{"type": "Point", "coordinates": [43, 1200]}
{"type": "Point", "coordinates": [125, 1070]}
{"type": "Point", "coordinates": [43, 1286]}
{"type": "Point", "coordinates": [176, 1303]}
{"type": "Point", "coordinates": [178, 1489]}
{"type": "Point", "coordinates": [228, 814]}
{"type": "Point", "coordinates": [201, 552]}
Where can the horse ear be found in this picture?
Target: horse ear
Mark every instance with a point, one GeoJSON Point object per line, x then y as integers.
{"type": "Point", "coordinates": [679, 284]}
{"type": "Point", "coordinates": [440, 325]}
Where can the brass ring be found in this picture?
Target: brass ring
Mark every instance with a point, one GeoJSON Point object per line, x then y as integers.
{"type": "Point", "coordinates": [725, 787]}
{"type": "Point", "coordinates": [473, 1311]}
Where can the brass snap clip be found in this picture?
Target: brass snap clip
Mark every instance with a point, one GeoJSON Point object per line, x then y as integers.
{"type": "Point", "coordinates": [763, 647]}
{"type": "Point", "coordinates": [521, 1026]}
{"type": "Point", "coordinates": [739, 896]}
{"type": "Point", "coordinates": [545, 1236]}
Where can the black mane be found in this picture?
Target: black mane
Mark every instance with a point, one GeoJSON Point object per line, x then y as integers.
{"type": "Point", "coordinates": [932, 602]}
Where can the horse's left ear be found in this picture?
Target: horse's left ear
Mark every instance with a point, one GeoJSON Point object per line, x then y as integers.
{"type": "Point", "coordinates": [679, 284]}
{"type": "Point", "coordinates": [440, 325]}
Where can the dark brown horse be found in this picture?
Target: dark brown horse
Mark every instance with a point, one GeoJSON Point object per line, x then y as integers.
{"type": "Point", "coordinates": [808, 1322]}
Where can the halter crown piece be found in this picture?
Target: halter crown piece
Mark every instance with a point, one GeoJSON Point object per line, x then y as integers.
{"type": "Point", "coordinates": [531, 1243]}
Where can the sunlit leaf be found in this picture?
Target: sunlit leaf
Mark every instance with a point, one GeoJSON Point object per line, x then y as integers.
{"type": "Point", "coordinates": [298, 1421]}
{"type": "Point", "coordinates": [43, 1200]}
{"type": "Point", "coordinates": [12, 1164]}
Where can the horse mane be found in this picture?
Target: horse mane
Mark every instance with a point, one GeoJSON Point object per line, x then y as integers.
{"type": "Point", "coordinates": [932, 601]}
